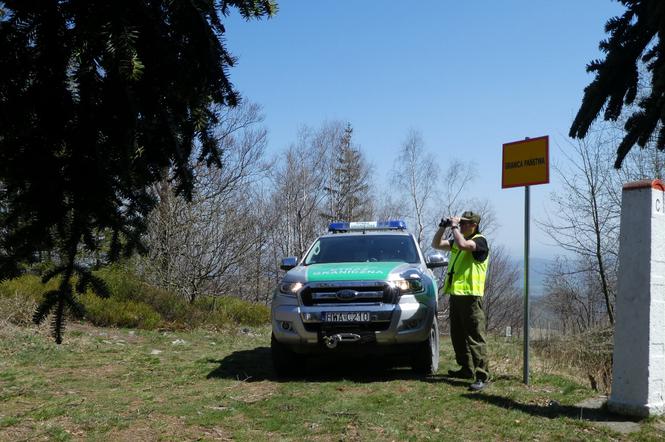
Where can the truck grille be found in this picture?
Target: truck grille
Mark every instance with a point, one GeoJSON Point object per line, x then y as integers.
{"type": "Point", "coordinates": [349, 293]}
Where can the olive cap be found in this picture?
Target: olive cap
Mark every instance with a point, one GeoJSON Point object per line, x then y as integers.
{"type": "Point", "coordinates": [471, 216]}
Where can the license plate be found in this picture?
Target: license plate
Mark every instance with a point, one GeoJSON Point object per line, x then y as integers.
{"type": "Point", "coordinates": [345, 317]}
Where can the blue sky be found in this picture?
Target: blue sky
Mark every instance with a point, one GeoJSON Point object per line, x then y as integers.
{"type": "Point", "coordinates": [469, 76]}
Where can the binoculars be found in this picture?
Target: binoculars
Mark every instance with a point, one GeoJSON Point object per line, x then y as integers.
{"type": "Point", "coordinates": [445, 222]}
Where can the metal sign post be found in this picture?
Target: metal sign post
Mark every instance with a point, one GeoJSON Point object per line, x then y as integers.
{"type": "Point", "coordinates": [526, 285]}
{"type": "Point", "coordinates": [526, 163]}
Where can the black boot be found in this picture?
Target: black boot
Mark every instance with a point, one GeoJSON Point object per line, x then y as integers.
{"type": "Point", "coordinates": [478, 385]}
{"type": "Point", "coordinates": [462, 373]}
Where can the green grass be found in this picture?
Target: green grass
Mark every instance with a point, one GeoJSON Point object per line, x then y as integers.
{"type": "Point", "coordinates": [125, 384]}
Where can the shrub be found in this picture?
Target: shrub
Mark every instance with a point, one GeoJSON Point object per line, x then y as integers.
{"type": "Point", "coordinates": [16, 309]}
{"type": "Point", "coordinates": [242, 312]}
{"type": "Point", "coordinates": [588, 354]}
{"type": "Point", "coordinates": [19, 297]}
{"type": "Point", "coordinates": [118, 312]}
{"type": "Point", "coordinates": [132, 303]}
{"type": "Point", "coordinates": [122, 283]}
{"type": "Point", "coordinates": [218, 311]}
{"type": "Point", "coordinates": [26, 286]}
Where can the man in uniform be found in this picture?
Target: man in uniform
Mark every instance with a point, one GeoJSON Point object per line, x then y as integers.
{"type": "Point", "coordinates": [465, 283]}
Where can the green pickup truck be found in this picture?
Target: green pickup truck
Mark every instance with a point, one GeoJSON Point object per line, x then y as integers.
{"type": "Point", "coordinates": [363, 288]}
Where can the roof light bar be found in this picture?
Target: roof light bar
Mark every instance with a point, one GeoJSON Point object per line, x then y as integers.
{"type": "Point", "coordinates": [337, 227]}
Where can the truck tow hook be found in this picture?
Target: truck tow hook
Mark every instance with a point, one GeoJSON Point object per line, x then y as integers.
{"type": "Point", "coordinates": [332, 341]}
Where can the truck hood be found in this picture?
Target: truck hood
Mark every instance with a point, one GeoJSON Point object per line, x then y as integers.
{"type": "Point", "coordinates": [354, 271]}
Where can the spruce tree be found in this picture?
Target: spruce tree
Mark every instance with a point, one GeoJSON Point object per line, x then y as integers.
{"type": "Point", "coordinates": [635, 37]}
{"type": "Point", "coordinates": [98, 101]}
{"type": "Point", "coordinates": [349, 183]}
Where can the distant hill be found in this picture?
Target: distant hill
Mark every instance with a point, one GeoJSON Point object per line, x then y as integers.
{"type": "Point", "coordinates": [537, 272]}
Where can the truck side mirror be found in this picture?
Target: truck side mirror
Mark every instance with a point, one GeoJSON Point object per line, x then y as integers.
{"type": "Point", "coordinates": [289, 263]}
{"type": "Point", "coordinates": [435, 260]}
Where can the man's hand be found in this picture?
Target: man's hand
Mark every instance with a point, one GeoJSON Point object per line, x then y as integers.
{"type": "Point", "coordinates": [467, 245]}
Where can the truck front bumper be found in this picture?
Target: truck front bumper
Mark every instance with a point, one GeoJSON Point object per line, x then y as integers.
{"type": "Point", "coordinates": [407, 322]}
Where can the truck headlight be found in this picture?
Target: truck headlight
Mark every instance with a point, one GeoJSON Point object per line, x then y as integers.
{"type": "Point", "coordinates": [290, 288]}
{"type": "Point", "coordinates": [408, 285]}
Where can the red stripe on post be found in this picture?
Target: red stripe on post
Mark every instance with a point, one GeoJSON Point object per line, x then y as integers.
{"type": "Point", "coordinates": [645, 184]}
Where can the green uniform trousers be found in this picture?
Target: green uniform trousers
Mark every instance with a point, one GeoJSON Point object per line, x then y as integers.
{"type": "Point", "coordinates": [467, 326]}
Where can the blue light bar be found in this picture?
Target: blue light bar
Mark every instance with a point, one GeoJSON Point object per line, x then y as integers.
{"type": "Point", "coordinates": [341, 226]}
{"type": "Point", "coordinates": [396, 224]}
{"type": "Point", "coordinates": [338, 227]}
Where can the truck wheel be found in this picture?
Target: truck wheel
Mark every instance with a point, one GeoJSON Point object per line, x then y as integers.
{"type": "Point", "coordinates": [286, 362]}
{"type": "Point", "coordinates": [426, 357]}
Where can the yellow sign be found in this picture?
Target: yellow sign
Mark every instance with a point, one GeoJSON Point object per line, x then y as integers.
{"type": "Point", "coordinates": [526, 162]}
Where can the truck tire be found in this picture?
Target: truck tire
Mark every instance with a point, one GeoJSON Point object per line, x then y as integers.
{"type": "Point", "coordinates": [426, 358]}
{"type": "Point", "coordinates": [286, 362]}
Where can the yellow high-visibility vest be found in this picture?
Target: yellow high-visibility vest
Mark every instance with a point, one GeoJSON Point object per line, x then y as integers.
{"type": "Point", "coordinates": [468, 275]}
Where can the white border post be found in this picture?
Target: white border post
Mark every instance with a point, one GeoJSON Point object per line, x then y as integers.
{"type": "Point", "coordinates": [638, 381]}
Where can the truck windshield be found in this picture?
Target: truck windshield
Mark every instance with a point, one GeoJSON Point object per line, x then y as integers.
{"type": "Point", "coordinates": [363, 248]}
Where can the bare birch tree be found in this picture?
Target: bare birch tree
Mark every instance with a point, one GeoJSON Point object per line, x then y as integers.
{"type": "Point", "coordinates": [416, 176]}
{"type": "Point", "coordinates": [502, 301]}
{"type": "Point", "coordinates": [585, 219]}
{"type": "Point", "coordinates": [451, 198]}
{"type": "Point", "coordinates": [299, 182]}
{"type": "Point", "coordinates": [573, 295]}
{"type": "Point", "coordinates": [195, 246]}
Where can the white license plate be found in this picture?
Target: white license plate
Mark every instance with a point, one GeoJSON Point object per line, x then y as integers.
{"type": "Point", "coordinates": [345, 317]}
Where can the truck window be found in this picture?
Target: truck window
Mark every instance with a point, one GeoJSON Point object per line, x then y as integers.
{"type": "Point", "coordinates": [363, 248]}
